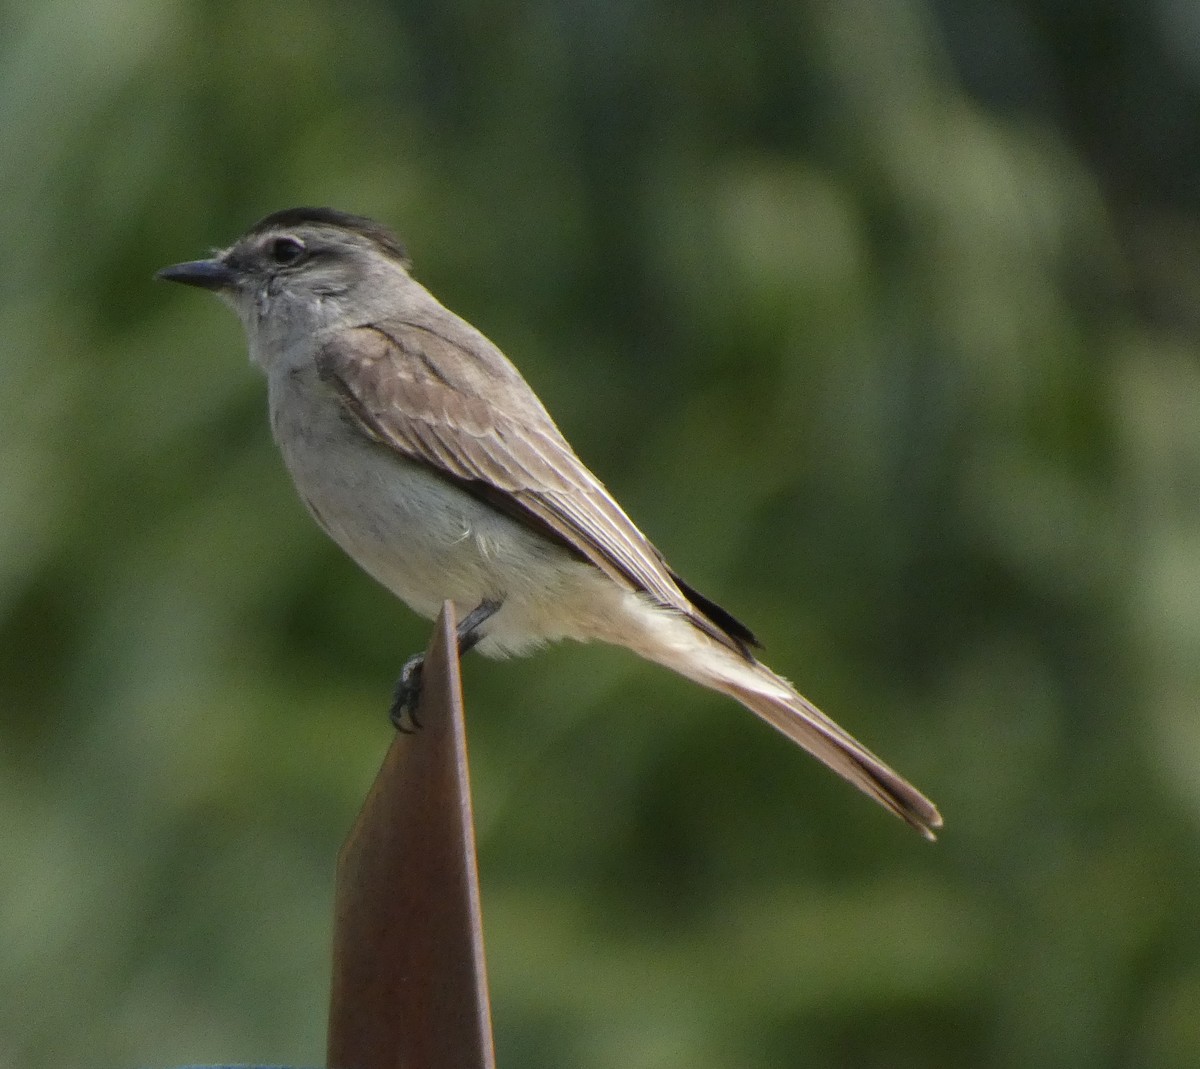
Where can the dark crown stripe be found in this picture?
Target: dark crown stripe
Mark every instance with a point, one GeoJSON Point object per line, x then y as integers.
{"type": "Point", "coordinates": [358, 224]}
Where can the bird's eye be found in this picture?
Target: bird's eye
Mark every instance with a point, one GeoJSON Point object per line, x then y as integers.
{"type": "Point", "coordinates": [286, 250]}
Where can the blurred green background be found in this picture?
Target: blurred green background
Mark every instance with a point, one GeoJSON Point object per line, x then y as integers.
{"type": "Point", "coordinates": [881, 318]}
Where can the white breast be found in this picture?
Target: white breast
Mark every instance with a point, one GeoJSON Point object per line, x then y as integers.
{"type": "Point", "coordinates": [424, 538]}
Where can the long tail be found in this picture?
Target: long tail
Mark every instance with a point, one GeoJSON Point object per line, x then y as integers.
{"type": "Point", "coordinates": [775, 700]}
{"type": "Point", "coordinates": [802, 722]}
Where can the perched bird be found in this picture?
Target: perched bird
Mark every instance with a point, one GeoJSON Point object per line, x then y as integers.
{"type": "Point", "coordinates": [424, 454]}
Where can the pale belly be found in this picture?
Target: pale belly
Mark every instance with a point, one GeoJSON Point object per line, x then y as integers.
{"type": "Point", "coordinates": [427, 540]}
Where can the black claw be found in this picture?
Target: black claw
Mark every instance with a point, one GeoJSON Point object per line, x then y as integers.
{"type": "Point", "coordinates": [406, 694]}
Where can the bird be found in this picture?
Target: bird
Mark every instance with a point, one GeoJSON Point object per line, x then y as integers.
{"type": "Point", "coordinates": [424, 454]}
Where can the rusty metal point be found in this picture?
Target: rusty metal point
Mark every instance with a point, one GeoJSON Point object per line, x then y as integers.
{"type": "Point", "coordinates": [409, 987]}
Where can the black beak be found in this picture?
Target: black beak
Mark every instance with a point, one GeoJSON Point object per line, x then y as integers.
{"type": "Point", "coordinates": [207, 274]}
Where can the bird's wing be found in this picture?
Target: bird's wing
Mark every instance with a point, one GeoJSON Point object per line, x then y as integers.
{"type": "Point", "coordinates": [422, 394]}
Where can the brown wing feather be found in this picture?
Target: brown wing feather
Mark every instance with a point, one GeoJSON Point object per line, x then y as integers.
{"type": "Point", "coordinates": [425, 396]}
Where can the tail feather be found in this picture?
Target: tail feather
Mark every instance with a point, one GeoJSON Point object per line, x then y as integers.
{"type": "Point", "coordinates": [674, 641]}
{"type": "Point", "coordinates": [805, 724]}
{"type": "Point", "coordinates": [777, 702]}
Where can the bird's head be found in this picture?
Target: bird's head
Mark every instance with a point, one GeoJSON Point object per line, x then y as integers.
{"type": "Point", "coordinates": [300, 271]}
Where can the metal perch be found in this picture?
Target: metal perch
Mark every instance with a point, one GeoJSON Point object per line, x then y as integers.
{"type": "Point", "coordinates": [409, 988]}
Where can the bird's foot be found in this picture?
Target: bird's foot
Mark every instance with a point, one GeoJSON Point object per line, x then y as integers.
{"type": "Point", "coordinates": [407, 692]}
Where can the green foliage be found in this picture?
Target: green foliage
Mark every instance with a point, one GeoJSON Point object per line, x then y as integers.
{"type": "Point", "coordinates": [883, 336]}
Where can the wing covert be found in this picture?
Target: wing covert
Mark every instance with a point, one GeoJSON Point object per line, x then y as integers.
{"type": "Point", "coordinates": [427, 397]}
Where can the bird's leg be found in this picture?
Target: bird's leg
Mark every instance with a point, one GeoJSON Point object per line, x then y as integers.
{"type": "Point", "coordinates": [470, 627]}
{"type": "Point", "coordinates": [407, 691]}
